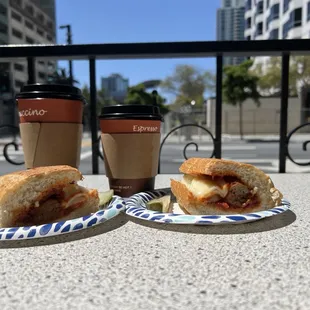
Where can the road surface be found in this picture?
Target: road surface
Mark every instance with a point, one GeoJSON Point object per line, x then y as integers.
{"type": "Point", "coordinates": [262, 154]}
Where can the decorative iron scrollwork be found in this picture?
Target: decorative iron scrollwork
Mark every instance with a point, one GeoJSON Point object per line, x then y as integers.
{"type": "Point", "coordinates": [8, 145]}
{"type": "Point", "coordinates": [304, 145]}
{"type": "Point", "coordinates": [188, 144]}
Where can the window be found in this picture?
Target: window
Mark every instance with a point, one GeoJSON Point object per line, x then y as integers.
{"type": "Point", "coordinates": [3, 10]}
{"type": "Point", "coordinates": [48, 37]}
{"type": "Point", "coordinates": [275, 9]}
{"type": "Point", "coordinates": [16, 16]}
{"type": "Point", "coordinates": [248, 23]}
{"type": "Point", "coordinates": [40, 32]}
{"type": "Point", "coordinates": [285, 5]}
{"type": "Point", "coordinates": [297, 17]}
{"type": "Point", "coordinates": [248, 38]}
{"type": "Point", "coordinates": [286, 28]}
{"type": "Point", "coordinates": [267, 4]}
{"type": "Point", "coordinates": [18, 67]}
{"type": "Point", "coordinates": [295, 20]}
{"type": "Point", "coordinates": [29, 40]}
{"type": "Point", "coordinates": [308, 10]}
{"type": "Point", "coordinates": [3, 28]}
{"type": "Point", "coordinates": [248, 5]}
{"type": "Point", "coordinates": [50, 65]}
{"type": "Point", "coordinates": [259, 29]}
{"type": "Point", "coordinates": [16, 2]}
{"type": "Point", "coordinates": [274, 34]}
{"type": "Point", "coordinates": [28, 24]}
{"type": "Point", "coordinates": [41, 75]}
{"type": "Point", "coordinates": [41, 62]}
{"type": "Point", "coordinates": [19, 84]}
{"type": "Point", "coordinates": [40, 17]}
{"type": "Point", "coordinates": [17, 33]}
{"type": "Point", "coordinates": [50, 25]}
{"type": "Point", "coordinates": [29, 9]}
{"type": "Point", "coordinates": [274, 14]}
{"type": "Point", "coordinates": [260, 8]}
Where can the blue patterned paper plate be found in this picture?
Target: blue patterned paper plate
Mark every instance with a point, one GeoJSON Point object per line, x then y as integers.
{"type": "Point", "coordinates": [136, 206]}
{"type": "Point", "coordinates": [115, 206]}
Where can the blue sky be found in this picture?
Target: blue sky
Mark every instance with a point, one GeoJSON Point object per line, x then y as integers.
{"type": "Point", "coordinates": [117, 21]}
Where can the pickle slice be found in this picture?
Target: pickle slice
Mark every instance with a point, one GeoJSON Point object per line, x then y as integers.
{"type": "Point", "coordinates": [105, 197]}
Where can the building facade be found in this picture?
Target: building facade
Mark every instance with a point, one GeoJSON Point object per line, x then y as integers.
{"type": "Point", "coordinates": [230, 25]}
{"type": "Point", "coordinates": [27, 22]}
{"type": "Point", "coordinates": [115, 87]}
{"type": "Point", "coordinates": [276, 19]}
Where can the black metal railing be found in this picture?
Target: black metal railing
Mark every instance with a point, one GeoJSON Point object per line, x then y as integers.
{"type": "Point", "coordinates": [217, 49]}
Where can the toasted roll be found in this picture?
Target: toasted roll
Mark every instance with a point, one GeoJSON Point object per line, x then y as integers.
{"type": "Point", "coordinates": [25, 196]}
{"type": "Point", "coordinates": [256, 190]}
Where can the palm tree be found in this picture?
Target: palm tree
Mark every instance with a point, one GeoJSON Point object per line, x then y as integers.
{"type": "Point", "coordinates": [60, 77]}
{"type": "Point", "coordinates": [139, 94]}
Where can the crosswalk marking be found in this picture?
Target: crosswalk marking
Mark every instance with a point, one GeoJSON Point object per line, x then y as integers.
{"type": "Point", "coordinates": [3, 159]}
{"type": "Point", "coordinates": [211, 147]}
{"type": "Point", "coordinates": [86, 154]}
{"type": "Point", "coordinates": [13, 155]}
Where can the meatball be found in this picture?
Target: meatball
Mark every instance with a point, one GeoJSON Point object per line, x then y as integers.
{"type": "Point", "coordinates": [238, 194]}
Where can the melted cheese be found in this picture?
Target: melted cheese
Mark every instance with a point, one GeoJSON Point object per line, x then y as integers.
{"type": "Point", "coordinates": [76, 200]}
{"type": "Point", "coordinates": [205, 187]}
{"type": "Point", "coordinates": [73, 194]}
{"type": "Point", "coordinates": [71, 190]}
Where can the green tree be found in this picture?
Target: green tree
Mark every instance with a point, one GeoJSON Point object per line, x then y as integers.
{"type": "Point", "coordinates": [300, 72]}
{"type": "Point", "coordinates": [270, 75]}
{"type": "Point", "coordinates": [101, 101]}
{"type": "Point", "coordinates": [189, 83]}
{"type": "Point", "coordinates": [239, 85]}
{"type": "Point", "coordinates": [60, 76]}
{"type": "Point", "coordinates": [101, 98]}
{"type": "Point", "coordinates": [139, 94]}
{"type": "Point", "coordinates": [269, 82]}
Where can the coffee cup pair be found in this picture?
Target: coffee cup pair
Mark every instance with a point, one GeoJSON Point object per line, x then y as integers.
{"type": "Point", "coordinates": [51, 133]}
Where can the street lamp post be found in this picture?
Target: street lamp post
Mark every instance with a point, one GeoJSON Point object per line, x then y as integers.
{"type": "Point", "coordinates": [69, 41]}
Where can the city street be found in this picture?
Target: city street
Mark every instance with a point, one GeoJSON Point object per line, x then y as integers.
{"type": "Point", "coordinates": [262, 154]}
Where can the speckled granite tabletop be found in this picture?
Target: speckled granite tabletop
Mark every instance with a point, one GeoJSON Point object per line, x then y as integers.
{"type": "Point", "coordinates": [129, 264]}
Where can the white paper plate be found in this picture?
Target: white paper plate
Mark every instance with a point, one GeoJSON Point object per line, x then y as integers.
{"type": "Point", "coordinates": [136, 206]}
{"type": "Point", "coordinates": [115, 206]}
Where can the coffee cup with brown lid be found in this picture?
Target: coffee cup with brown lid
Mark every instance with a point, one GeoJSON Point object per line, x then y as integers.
{"type": "Point", "coordinates": [131, 141]}
{"type": "Point", "coordinates": [51, 124]}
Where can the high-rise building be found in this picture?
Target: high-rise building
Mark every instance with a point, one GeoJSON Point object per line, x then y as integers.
{"type": "Point", "coordinates": [230, 25]}
{"type": "Point", "coordinates": [23, 22]}
{"type": "Point", "coordinates": [115, 87]}
{"type": "Point", "coordinates": [276, 19]}
{"type": "Point", "coordinates": [27, 22]}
